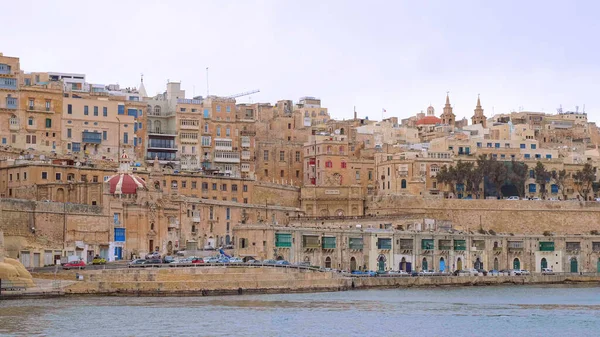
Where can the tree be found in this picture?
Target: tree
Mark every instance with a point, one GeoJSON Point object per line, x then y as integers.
{"type": "Point", "coordinates": [518, 176]}
{"type": "Point", "coordinates": [445, 176]}
{"type": "Point", "coordinates": [560, 179]}
{"type": "Point", "coordinates": [583, 180]}
{"type": "Point", "coordinates": [497, 174]}
{"type": "Point", "coordinates": [542, 176]}
{"type": "Point", "coordinates": [474, 180]}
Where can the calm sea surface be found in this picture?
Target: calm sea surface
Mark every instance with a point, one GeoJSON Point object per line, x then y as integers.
{"type": "Point", "coordinates": [465, 311]}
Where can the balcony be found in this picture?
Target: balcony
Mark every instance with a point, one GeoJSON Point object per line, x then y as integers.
{"type": "Point", "coordinates": [328, 243]}
{"type": "Point", "coordinates": [227, 157]}
{"type": "Point", "coordinates": [406, 244]}
{"type": "Point", "coordinates": [515, 245]}
{"type": "Point", "coordinates": [188, 140]}
{"type": "Point", "coordinates": [246, 155]}
{"type": "Point", "coordinates": [384, 244]}
{"type": "Point", "coordinates": [91, 137]}
{"type": "Point", "coordinates": [14, 127]}
{"type": "Point", "coordinates": [283, 240]}
{"type": "Point", "coordinates": [165, 133]}
{"type": "Point", "coordinates": [445, 245]}
{"type": "Point", "coordinates": [356, 243]}
{"type": "Point", "coordinates": [245, 168]}
{"type": "Point", "coordinates": [188, 127]}
{"type": "Point", "coordinates": [223, 144]}
{"type": "Point", "coordinates": [195, 216]}
{"type": "Point", "coordinates": [248, 133]}
{"type": "Point", "coordinates": [8, 86]}
{"type": "Point", "coordinates": [546, 246]}
{"type": "Point", "coordinates": [460, 245]}
{"type": "Point", "coordinates": [162, 144]}
{"type": "Point", "coordinates": [309, 241]}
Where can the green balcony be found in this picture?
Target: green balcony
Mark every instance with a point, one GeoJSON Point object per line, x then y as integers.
{"type": "Point", "coordinates": [546, 246]}
{"type": "Point", "coordinates": [460, 245]}
{"type": "Point", "coordinates": [427, 244]}
{"type": "Point", "coordinates": [283, 240]}
{"type": "Point", "coordinates": [356, 243]}
{"type": "Point", "coordinates": [328, 242]}
{"type": "Point", "coordinates": [384, 244]}
{"type": "Point", "coordinates": [310, 241]}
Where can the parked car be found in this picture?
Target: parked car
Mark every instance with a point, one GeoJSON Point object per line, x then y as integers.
{"type": "Point", "coordinates": [525, 272]}
{"type": "Point", "coordinates": [253, 261]}
{"type": "Point", "coordinates": [468, 272]}
{"type": "Point", "coordinates": [168, 259]}
{"type": "Point", "coordinates": [482, 271]}
{"type": "Point", "coordinates": [236, 260]}
{"type": "Point", "coordinates": [370, 273]}
{"type": "Point", "coordinates": [514, 272]}
{"type": "Point", "coordinates": [357, 272]}
{"type": "Point", "coordinates": [493, 272]}
{"type": "Point", "coordinates": [283, 263]}
{"type": "Point", "coordinates": [426, 272]}
{"type": "Point", "coordinates": [553, 199]}
{"type": "Point", "coordinates": [223, 259]}
{"type": "Point", "coordinates": [512, 198]}
{"type": "Point", "coordinates": [74, 265]}
{"type": "Point", "coordinates": [136, 263]}
{"type": "Point", "coordinates": [397, 273]}
{"type": "Point", "coordinates": [196, 260]}
{"type": "Point", "coordinates": [211, 259]}
{"type": "Point", "coordinates": [153, 255]}
{"type": "Point", "coordinates": [547, 271]}
{"type": "Point", "coordinates": [181, 253]}
{"type": "Point", "coordinates": [269, 262]}
{"type": "Point", "coordinates": [98, 260]}
{"type": "Point", "coordinates": [152, 262]}
{"type": "Point", "coordinates": [302, 264]}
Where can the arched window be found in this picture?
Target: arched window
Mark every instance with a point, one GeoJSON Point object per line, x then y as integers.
{"type": "Point", "coordinates": [328, 149]}
{"type": "Point", "coordinates": [328, 164]}
{"type": "Point", "coordinates": [341, 150]}
{"type": "Point", "coordinates": [13, 120]}
{"type": "Point", "coordinates": [342, 131]}
{"type": "Point", "coordinates": [424, 264]}
{"type": "Point", "coordinates": [328, 262]}
{"type": "Point", "coordinates": [150, 125]}
{"type": "Point", "coordinates": [157, 126]}
{"type": "Point", "coordinates": [219, 130]}
{"type": "Point", "coordinates": [152, 226]}
{"type": "Point", "coordinates": [343, 164]}
{"type": "Point", "coordinates": [306, 114]}
{"type": "Point", "coordinates": [156, 109]}
{"type": "Point", "coordinates": [403, 183]}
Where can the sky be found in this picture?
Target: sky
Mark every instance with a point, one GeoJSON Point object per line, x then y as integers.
{"type": "Point", "coordinates": [400, 56]}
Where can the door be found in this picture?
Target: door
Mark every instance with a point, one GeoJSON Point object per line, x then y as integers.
{"type": "Point", "coordinates": [381, 265]}
{"type": "Point", "coordinates": [424, 264]}
{"type": "Point", "coordinates": [516, 264]}
{"type": "Point", "coordinates": [403, 264]}
{"type": "Point", "coordinates": [36, 259]}
{"type": "Point", "coordinates": [352, 264]}
{"type": "Point", "coordinates": [496, 263]}
{"type": "Point", "coordinates": [409, 266]}
{"type": "Point", "coordinates": [478, 264]}
{"type": "Point", "coordinates": [573, 265]}
{"type": "Point", "coordinates": [328, 262]}
{"type": "Point", "coordinates": [90, 256]}
{"type": "Point", "coordinates": [48, 258]}
{"type": "Point", "coordinates": [118, 253]}
{"type": "Point", "coordinates": [25, 259]}
{"type": "Point", "coordinates": [150, 246]}
{"type": "Point", "coordinates": [544, 264]}
{"type": "Point", "coordinates": [598, 266]}
{"type": "Point", "coordinates": [459, 264]}
{"type": "Point", "coordinates": [442, 264]}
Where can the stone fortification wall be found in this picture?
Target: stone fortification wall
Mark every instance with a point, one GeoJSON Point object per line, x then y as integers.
{"type": "Point", "coordinates": [36, 226]}
{"type": "Point", "coordinates": [502, 216]}
{"type": "Point", "coordinates": [275, 194]}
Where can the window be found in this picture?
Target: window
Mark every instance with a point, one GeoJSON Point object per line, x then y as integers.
{"type": "Point", "coordinates": [281, 173]}
{"type": "Point", "coordinates": [68, 133]}
{"type": "Point", "coordinates": [31, 103]}
{"type": "Point", "coordinates": [533, 146]}
{"type": "Point", "coordinates": [357, 175]}
{"type": "Point", "coordinates": [44, 175]}
{"type": "Point", "coordinates": [370, 175]}
{"type": "Point", "coordinates": [104, 135]}
{"type": "Point", "coordinates": [227, 132]}
{"type": "Point", "coordinates": [223, 187]}
{"type": "Point", "coordinates": [343, 164]}
{"type": "Point", "coordinates": [234, 188]}
{"type": "Point", "coordinates": [121, 110]}
{"type": "Point", "coordinates": [266, 155]}
{"type": "Point", "coordinates": [214, 186]}
{"type": "Point", "coordinates": [527, 156]}
{"type": "Point", "coordinates": [532, 188]}
{"type": "Point", "coordinates": [328, 164]}
{"type": "Point", "coordinates": [297, 156]}
{"type": "Point", "coordinates": [218, 108]}
{"type": "Point", "coordinates": [205, 186]}
{"type": "Point", "coordinates": [48, 122]}
{"type": "Point", "coordinates": [522, 146]}
{"type": "Point", "coordinates": [30, 121]}
{"type": "Point", "coordinates": [218, 131]}
{"type": "Point", "coordinates": [227, 213]}
{"type": "Point", "coordinates": [281, 155]}
{"type": "Point", "coordinates": [95, 111]}
{"type": "Point", "coordinates": [245, 200]}
{"type": "Point", "coordinates": [211, 213]}
{"type": "Point", "coordinates": [104, 111]}
{"type": "Point", "coordinates": [125, 137]}
{"type": "Point", "coordinates": [245, 188]}
{"type": "Point", "coordinates": [228, 109]}
{"type": "Point", "coordinates": [478, 144]}
{"type": "Point", "coordinates": [85, 110]}
{"type": "Point", "coordinates": [70, 109]}
{"type": "Point", "coordinates": [206, 113]}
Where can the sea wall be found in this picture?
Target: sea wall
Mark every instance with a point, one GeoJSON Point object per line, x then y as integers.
{"type": "Point", "coordinates": [222, 281]}
{"type": "Point", "coordinates": [502, 216]}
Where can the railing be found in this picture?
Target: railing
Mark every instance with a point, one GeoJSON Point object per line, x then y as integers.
{"type": "Point", "coordinates": [11, 285]}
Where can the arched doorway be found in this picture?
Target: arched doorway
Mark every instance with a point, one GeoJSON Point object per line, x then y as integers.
{"type": "Point", "coordinates": [328, 262]}
{"type": "Point", "coordinates": [403, 183]}
{"type": "Point", "coordinates": [280, 258]}
{"type": "Point", "coordinates": [381, 263]}
{"type": "Point", "coordinates": [478, 264]}
{"type": "Point", "coordinates": [60, 195]}
{"type": "Point", "coordinates": [442, 264]}
{"type": "Point", "coordinates": [352, 263]}
{"type": "Point", "coordinates": [573, 265]}
{"type": "Point", "coordinates": [424, 264]}
{"type": "Point", "coordinates": [403, 264]}
{"type": "Point", "coordinates": [459, 264]}
{"type": "Point", "coordinates": [496, 263]}
{"type": "Point", "coordinates": [516, 264]}
{"type": "Point", "coordinates": [544, 263]}
{"type": "Point", "coordinates": [324, 212]}
{"type": "Point", "coordinates": [170, 247]}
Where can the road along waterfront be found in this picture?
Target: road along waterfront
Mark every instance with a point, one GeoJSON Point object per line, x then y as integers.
{"type": "Point", "coordinates": [466, 311]}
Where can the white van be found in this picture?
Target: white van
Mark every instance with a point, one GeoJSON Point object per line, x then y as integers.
{"type": "Point", "coordinates": [547, 271]}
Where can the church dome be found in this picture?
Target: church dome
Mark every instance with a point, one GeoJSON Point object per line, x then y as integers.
{"type": "Point", "coordinates": [429, 120]}
{"type": "Point", "coordinates": [125, 183]}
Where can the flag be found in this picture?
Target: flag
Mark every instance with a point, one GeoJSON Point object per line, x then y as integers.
{"type": "Point", "coordinates": [384, 110]}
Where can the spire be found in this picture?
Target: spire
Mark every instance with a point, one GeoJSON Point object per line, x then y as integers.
{"type": "Point", "coordinates": [447, 98]}
{"type": "Point", "coordinates": [142, 89]}
{"type": "Point", "coordinates": [478, 102]}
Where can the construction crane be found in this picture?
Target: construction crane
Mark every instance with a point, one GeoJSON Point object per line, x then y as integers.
{"type": "Point", "coordinates": [244, 94]}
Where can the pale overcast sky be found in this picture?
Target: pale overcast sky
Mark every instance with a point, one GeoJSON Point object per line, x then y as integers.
{"type": "Point", "coordinates": [397, 55]}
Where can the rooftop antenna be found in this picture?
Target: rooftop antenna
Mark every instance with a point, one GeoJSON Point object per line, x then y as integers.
{"type": "Point", "coordinates": [577, 108]}
{"type": "Point", "coordinates": [559, 110]}
{"type": "Point", "coordinates": [584, 108]}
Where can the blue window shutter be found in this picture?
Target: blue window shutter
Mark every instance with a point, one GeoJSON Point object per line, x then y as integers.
{"type": "Point", "coordinates": [121, 110]}
{"type": "Point", "coordinates": [134, 141]}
